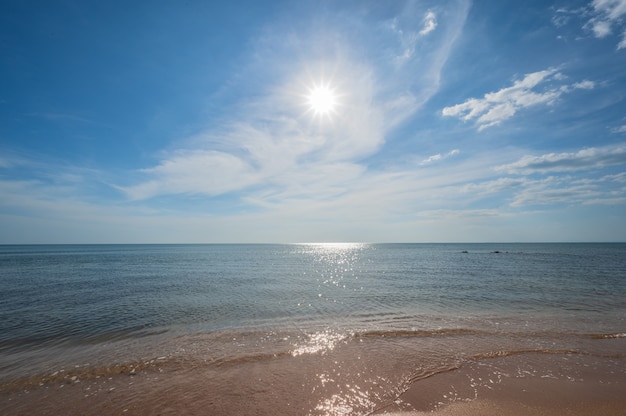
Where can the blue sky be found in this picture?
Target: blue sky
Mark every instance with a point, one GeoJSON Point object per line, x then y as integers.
{"type": "Point", "coordinates": [182, 122]}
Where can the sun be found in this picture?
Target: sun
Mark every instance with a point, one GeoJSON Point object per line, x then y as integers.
{"type": "Point", "coordinates": [322, 100]}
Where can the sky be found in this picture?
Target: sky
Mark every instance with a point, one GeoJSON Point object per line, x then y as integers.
{"type": "Point", "coordinates": [202, 122]}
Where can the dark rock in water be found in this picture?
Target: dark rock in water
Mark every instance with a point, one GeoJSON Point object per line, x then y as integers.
{"type": "Point", "coordinates": [464, 251]}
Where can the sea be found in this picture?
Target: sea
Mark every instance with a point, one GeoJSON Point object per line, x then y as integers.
{"type": "Point", "coordinates": [302, 329]}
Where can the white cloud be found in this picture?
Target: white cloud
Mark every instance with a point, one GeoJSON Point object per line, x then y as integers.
{"type": "Point", "coordinates": [590, 158]}
{"type": "Point", "coordinates": [585, 85]}
{"type": "Point", "coordinates": [273, 147]}
{"type": "Point", "coordinates": [407, 40]}
{"type": "Point", "coordinates": [553, 190]}
{"type": "Point", "coordinates": [570, 190]}
{"type": "Point", "coordinates": [622, 43]}
{"type": "Point", "coordinates": [432, 158]}
{"type": "Point", "coordinates": [430, 23]}
{"type": "Point", "coordinates": [277, 144]}
{"type": "Point", "coordinates": [605, 201]}
{"type": "Point", "coordinates": [498, 106]}
{"type": "Point", "coordinates": [608, 14]}
{"type": "Point", "coordinates": [562, 16]}
{"type": "Point", "coordinates": [408, 36]}
{"type": "Point", "coordinates": [613, 10]}
{"type": "Point", "coordinates": [620, 177]}
{"type": "Point", "coordinates": [601, 29]}
{"type": "Point", "coordinates": [492, 186]}
{"type": "Point", "coordinates": [200, 171]}
{"type": "Point", "coordinates": [439, 156]}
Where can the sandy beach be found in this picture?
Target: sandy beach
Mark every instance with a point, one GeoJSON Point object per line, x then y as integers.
{"type": "Point", "coordinates": [117, 397]}
{"type": "Point", "coordinates": [598, 394]}
{"type": "Point", "coordinates": [525, 384]}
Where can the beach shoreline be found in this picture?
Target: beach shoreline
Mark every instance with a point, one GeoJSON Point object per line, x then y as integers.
{"type": "Point", "coordinates": [530, 383]}
{"type": "Point", "coordinates": [314, 330]}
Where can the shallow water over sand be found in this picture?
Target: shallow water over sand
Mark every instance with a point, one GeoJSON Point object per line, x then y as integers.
{"type": "Point", "coordinates": [350, 376]}
{"type": "Point", "coordinates": [303, 329]}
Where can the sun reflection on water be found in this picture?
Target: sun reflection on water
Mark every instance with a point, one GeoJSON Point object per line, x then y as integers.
{"type": "Point", "coordinates": [335, 246]}
{"type": "Point", "coordinates": [347, 403]}
{"type": "Point", "coordinates": [341, 255]}
{"type": "Point", "coordinates": [320, 342]}
{"type": "Point", "coordinates": [335, 267]}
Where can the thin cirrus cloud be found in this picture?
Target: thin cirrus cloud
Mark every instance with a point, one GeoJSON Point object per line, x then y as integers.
{"type": "Point", "coordinates": [588, 158]}
{"type": "Point", "coordinates": [496, 107]}
{"type": "Point", "coordinates": [408, 36]}
{"type": "Point", "coordinates": [273, 143]}
{"type": "Point", "coordinates": [534, 187]}
{"type": "Point", "coordinates": [552, 190]}
{"type": "Point", "coordinates": [276, 142]}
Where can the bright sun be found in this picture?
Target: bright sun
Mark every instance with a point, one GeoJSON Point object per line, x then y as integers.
{"type": "Point", "coordinates": [322, 100]}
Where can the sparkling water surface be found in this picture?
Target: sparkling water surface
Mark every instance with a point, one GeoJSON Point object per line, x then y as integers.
{"type": "Point", "coordinates": [79, 298]}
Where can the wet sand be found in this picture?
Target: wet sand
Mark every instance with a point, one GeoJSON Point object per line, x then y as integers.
{"type": "Point", "coordinates": [519, 385]}
{"type": "Point", "coordinates": [598, 388]}
{"type": "Point", "coordinates": [539, 397]}
{"type": "Point", "coordinates": [506, 408]}
{"type": "Point", "coordinates": [513, 398]}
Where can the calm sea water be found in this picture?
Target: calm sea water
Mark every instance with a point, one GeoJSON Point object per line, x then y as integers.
{"type": "Point", "coordinates": [97, 306]}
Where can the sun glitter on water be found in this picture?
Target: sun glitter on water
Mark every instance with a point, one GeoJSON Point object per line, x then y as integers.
{"type": "Point", "coordinates": [322, 100]}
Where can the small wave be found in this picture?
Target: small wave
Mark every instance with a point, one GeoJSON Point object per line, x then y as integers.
{"type": "Point", "coordinates": [426, 373]}
{"type": "Point", "coordinates": [45, 341]}
{"type": "Point", "coordinates": [250, 358]}
{"type": "Point", "coordinates": [509, 353]}
{"type": "Point", "coordinates": [430, 372]}
{"type": "Point", "coordinates": [607, 336]}
{"type": "Point", "coordinates": [320, 342]}
{"type": "Point", "coordinates": [80, 373]}
{"type": "Point", "coordinates": [417, 333]}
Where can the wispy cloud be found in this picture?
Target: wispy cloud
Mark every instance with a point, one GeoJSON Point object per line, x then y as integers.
{"type": "Point", "coordinates": [563, 15]}
{"type": "Point", "coordinates": [569, 190]}
{"type": "Point", "coordinates": [274, 146]}
{"type": "Point", "coordinates": [437, 157]}
{"type": "Point", "coordinates": [198, 172]}
{"type": "Point", "coordinates": [608, 15]}
{"type": "Point", "coordinates": [260, 166]}
{"type": "Point", "coordinates": [589, 158]}
{"type": "Point", "coordinates": [496, 107]}
{"type": "Point", "coordinates": [409, 33]}
{"type": "Point", "coordinates": [276, 142]}
{"type": "Point", "coordinates": [553, 178]}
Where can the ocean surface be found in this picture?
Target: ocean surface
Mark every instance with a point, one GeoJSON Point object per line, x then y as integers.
{"type": "Point", "coordinates": [303, 328]}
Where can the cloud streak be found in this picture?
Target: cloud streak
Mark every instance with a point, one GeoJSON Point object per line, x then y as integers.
{"type": "Point", "coordinates": [496, 107]}
{"type": "Point", "coordinates": [438, 157]}
{"type": "Point", "coordinates": [590, 158]}
{"type": "Point", "coordinates": [408, 36]}
{"type": "Point", "coordinates": [567, 190]}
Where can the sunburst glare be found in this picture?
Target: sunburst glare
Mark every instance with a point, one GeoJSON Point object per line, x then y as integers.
{"type": "Point", "coordinates": [322, 100]}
